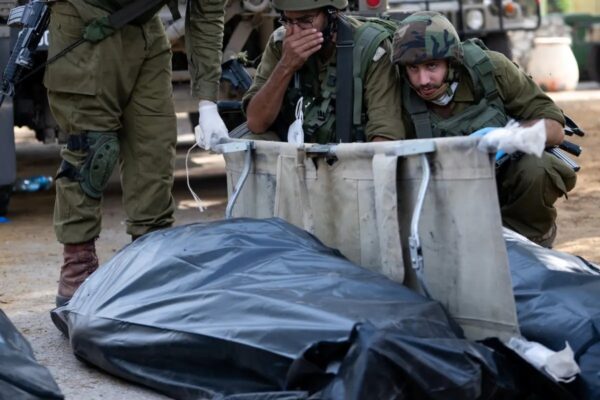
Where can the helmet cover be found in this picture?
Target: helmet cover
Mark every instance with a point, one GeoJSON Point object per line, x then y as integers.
{"type": "Point", "coordinates": [301, 5]}
{"type": "Point", "coordinates": [424, 36]}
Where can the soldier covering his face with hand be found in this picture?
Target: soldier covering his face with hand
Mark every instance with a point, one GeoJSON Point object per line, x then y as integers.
{"type": "Point", "coordinates": [301, 61]}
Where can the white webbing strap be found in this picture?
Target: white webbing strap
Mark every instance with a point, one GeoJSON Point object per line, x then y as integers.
{"type": "Point", "coordinates": [386, 212]}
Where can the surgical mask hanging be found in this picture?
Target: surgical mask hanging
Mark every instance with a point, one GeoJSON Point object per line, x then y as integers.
{"type": "Point", "coordinates": [295, 132]}
{"type": "Point", "coordinates": [445, 98]}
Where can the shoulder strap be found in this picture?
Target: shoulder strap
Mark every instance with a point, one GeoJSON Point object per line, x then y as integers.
{"type": "Point", "coordinates": [103, 27]}
{"type": "Point", "coordinates": [418, 111]}
{"type": "Point", "coordinates": [368, 38]}
{"type": "Point", "coordinates": [138, 8]}
{"type": "Point", "coordinates": [480, 68]}
{"type": "Point", "coordinates": [344, 82]}
{"type": "Point", "coordinates": [355, 52]}
{"type": "Point", "coordinates": [174, 9]}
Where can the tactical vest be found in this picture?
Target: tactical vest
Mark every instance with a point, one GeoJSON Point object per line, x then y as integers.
{"type": "Point", "coordinates": [320, 102]}
{"type": "Point", "coordinates": [488, 111]}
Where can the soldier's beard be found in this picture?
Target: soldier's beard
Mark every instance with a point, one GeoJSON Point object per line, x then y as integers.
{"type": "Point", "coordinates": [440, 95]}
{"type": "Point", "coordinates": [432, 92]}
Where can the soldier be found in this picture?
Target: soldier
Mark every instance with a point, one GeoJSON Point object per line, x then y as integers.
{"type": "Point", "coordinates": [453, 88]}
{"type": "Point", "coordinates": [301, 61]}
{"type": "Point", "coordinates": [114, 99]}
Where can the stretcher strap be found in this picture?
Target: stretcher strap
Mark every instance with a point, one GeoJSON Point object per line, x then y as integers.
{"type": "Point", "coordinates": [386, 211]}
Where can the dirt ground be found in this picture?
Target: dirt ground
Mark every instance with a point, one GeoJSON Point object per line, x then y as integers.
{"type": "Point", "coordinates": [579, 215]}
{"type": "Point", "coordinates": [30, 256]}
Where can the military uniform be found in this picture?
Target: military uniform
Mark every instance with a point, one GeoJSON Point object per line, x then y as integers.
{"type": "Point", "coordinates": [528, 186]}
{"type": "Point", "coordinates": [120, 89]}
{"type": "Point", "coordinates": [114, 99]}
{"type": "Point", "coordinates": [521, 97]}
{"type": "Point", "coordinates": [381, 93]}
{"type": "Point", "coordinates": [205, 21]}
{"type": "Point", "coordinates": [120, 86]}
{"type": "Point", "coordinates": [491, 89]}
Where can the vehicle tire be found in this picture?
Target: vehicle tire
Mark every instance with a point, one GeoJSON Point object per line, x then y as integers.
{"type": "Point", "coordinates": [499, 42]}
{"type": "Point", "coordinates": [5, 192]}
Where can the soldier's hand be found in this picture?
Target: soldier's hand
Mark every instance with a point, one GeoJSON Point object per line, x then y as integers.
{"type": "Point", "coordinates": [298, 45]}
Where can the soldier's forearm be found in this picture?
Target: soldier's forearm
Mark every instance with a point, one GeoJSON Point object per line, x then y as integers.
{"type": "Point", "coordinates": [555, 133]}
{"type": "Point", "coordinates": [554, 130]}
{"type": "Point", "coordinates": [266, 104]}
{"type": "Point", "coordinates": [204, 39]}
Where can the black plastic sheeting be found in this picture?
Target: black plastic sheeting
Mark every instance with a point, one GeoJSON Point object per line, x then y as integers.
{"type": "Point", "coordinates": [21, 377]}
{"type": "Point", "coordinates": [558, 300]}
{"type": "Point", "coordinates": [259, 309]}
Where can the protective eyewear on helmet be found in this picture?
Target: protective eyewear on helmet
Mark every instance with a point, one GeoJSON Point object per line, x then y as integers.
{"type": "Point", "coordinates": [304, 22]}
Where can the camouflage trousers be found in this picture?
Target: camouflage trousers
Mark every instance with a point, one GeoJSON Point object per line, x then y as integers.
{"type": "Point", "coordinates": [527, 190]}
{"type": "Point", "coordinates": [120, 86]}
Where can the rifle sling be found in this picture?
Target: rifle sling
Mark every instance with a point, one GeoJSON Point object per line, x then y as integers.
{"type": "Point", "coordinates": [344, 82]}
{"type": "Point", "coordinates": [133, 10]}
{"type": "Point", "coordinates": [117, 20]}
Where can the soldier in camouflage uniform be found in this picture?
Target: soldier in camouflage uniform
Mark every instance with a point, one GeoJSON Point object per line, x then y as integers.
{"type": "Point", "coordinates": [300, 61]}
{"type": "Point", "coordinates": [453, 88]}
{"type": "Point", "coordinates": [114, 99]}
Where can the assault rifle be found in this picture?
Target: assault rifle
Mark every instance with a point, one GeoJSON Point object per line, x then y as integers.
{"type": "Point", "coordinates": [33, 19]}
{"type": "Point", "coordinates": [239, 79]}
{"type": "Point", "coordinates": [236, 74]}
{"type": "Point", "coordinates": [559, 151]}
{"type": "Point", "coordinates": [571, 129]}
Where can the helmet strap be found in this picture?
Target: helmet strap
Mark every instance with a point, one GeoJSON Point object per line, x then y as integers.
{"type": "Point", "coordinates": [452, 75]}
{"type": "Point", "coordinates": [444, 98]}
{"type": "Point", "coordinates": [331, 28]}
{"type": "Point", "coordinates": [443, 95]}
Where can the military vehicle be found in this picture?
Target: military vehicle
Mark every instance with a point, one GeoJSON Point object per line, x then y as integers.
{"type": "Point", "coordinates": [490, 20]}
{"type": "Point", "coordinates": [586, 44]}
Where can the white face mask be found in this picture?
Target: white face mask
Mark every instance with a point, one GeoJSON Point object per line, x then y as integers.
{"type": "Point", "coordinates": [447, 96]}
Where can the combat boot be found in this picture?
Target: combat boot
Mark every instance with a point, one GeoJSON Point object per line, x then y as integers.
{"type": "Point", "coordinates": [80, 262]}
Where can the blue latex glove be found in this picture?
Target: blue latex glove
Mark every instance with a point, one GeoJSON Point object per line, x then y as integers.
{"type": "Point", "coordinates": [482, 132]}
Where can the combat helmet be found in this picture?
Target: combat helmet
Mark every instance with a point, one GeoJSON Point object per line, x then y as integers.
{"type": "Point", "coordinates": [426, 35]}
{"type": "Point", "coordinates": [301, 5]}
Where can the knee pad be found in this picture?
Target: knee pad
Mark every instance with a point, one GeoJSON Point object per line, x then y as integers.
{"type": "Point", "coordinates": [103, 153]}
